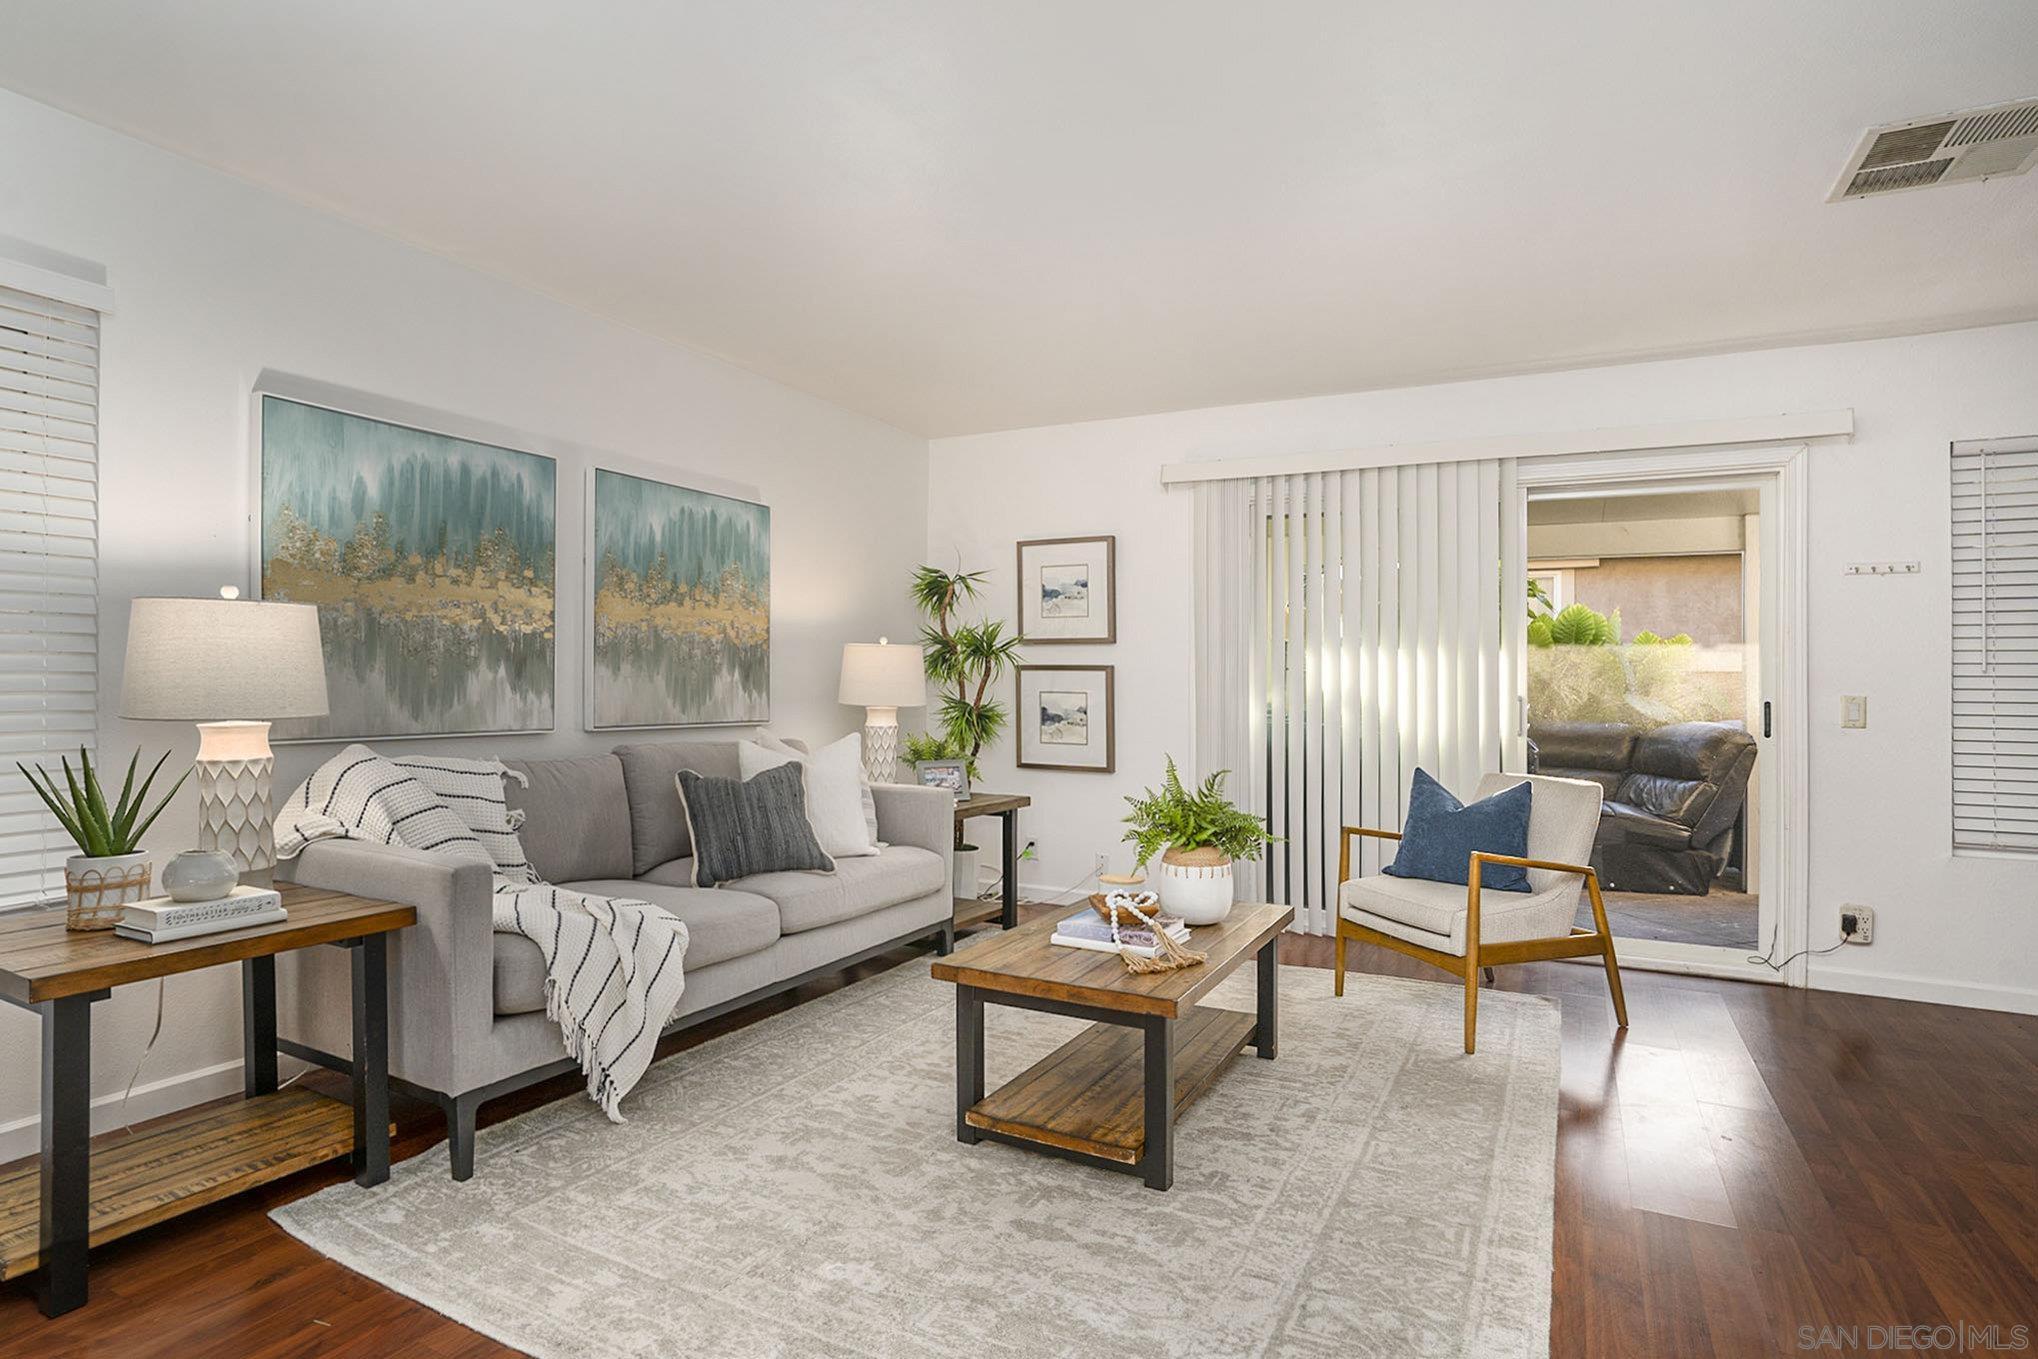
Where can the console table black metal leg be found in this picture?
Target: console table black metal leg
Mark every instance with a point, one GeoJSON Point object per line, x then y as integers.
{"type": "Point", "coordinates": [1157, 1159]}
{"type": "Point", "coordinates": [258, 1025]}
{"type": "Point", "coordinates": [1009, 917]}
{"type": "Point", "coordinates": [1266, 1035]}
{"type": "Point", "coordinates": [369, 959]}
{"type": "Point", "coordinates": [66, 1151]}
{"type": "Point", "coordinates": [969, 1059]}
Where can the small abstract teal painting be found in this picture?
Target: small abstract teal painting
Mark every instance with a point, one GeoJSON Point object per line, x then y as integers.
{"type": "Point", "coordinates": [681, 632]}
{"type": "Point", "coordinates": [430, 559]}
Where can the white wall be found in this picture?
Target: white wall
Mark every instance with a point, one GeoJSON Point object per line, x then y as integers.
{"type": "Point", "coordinates": [1956, 929]}
{"type": "Point", "coordinates": [215, 281]}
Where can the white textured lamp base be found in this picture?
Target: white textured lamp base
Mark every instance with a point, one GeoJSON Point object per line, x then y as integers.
{"type": "Point", "coordinates": [234, 771]}
{"type": "Point", "coordinates": [881, 752]}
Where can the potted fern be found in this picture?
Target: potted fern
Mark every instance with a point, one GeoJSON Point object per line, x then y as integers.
{"type": "Point", "coordinates": [110, 869]}
{"type": "Point", "coordinates": [1198, 834]}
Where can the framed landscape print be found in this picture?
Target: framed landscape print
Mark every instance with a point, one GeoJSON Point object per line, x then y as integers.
{"type": "Point", "coordinates": [1068, 590]}
{"type": "Point", "coordinates": [680, 608]}
{"type": "Point", "coordinates": [430, 559]}
{"type": "Point", "coordinates": [1064, 718]}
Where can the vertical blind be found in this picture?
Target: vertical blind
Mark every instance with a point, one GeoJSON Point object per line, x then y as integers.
{"type": "Point", "coordinates": [49, 403]}
{"type": "Point", "coordinates": [1350, 629]}
{"type": "Point", "coordinates": [1995, 645]}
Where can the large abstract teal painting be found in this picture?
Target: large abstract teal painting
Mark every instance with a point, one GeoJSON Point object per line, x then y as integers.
{"type": "Point", "coordinates": [430, 559]}
{"type": "Point", "coordinates": [681, 587]}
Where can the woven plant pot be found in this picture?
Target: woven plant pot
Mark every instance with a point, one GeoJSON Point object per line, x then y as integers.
{"type": "Point", "coordinates": [95, 889]}
{"type": "Point", "coordinates": [1195, 884]}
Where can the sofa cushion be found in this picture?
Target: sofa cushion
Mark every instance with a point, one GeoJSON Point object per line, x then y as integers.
{"type": "Point", "coordinates": [1679, 800]}
{"type": "Point", "coordinates": [720, 925]}
{"type": "Point", "coordinates": [742, 827]}
{"type": "Point", "coordinates": [657, 825]}
{"type": "Point", "coordinates": [1608, 779]}
{"type": "Point", "coordinates": [576, 817]}
{"type": "Point", "coordinates": [1583, 745]}
{"type": "Point", "coordinates": [857, 886]}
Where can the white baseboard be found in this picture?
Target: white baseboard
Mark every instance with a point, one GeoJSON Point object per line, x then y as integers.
{"type": "Point", "coordinates": [23, 1137]}
{"type": "Point", "coordinates": [1897, 986]}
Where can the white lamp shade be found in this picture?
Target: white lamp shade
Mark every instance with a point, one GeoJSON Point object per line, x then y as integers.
{"type": "Point", "coordinates": [883, 675]}
{"type": "Point", "coordinates": [210, 660]}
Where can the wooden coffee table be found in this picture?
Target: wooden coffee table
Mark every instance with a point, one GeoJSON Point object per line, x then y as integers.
{"type": "Point", "coordinates": [1109, 1096]}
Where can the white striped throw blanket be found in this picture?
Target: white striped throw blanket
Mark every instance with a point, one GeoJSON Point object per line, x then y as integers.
{"type": "Point", "coordinates": [613, 967]}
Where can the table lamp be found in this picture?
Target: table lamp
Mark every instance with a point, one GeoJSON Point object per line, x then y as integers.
{"type": "Point", "coordinates": [230, 665]}
{"type": "Point", "coordinates": [881, 679]}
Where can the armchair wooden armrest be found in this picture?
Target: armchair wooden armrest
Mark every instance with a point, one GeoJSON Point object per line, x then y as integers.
{"type": "Point", "coordinates": [1344, 847]}
{"type": "Point", "coordinates": [1482, 857]}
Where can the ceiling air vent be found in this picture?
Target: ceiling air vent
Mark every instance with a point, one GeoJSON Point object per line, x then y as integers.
{"type": "Point", "coordinates": [1947, 148]}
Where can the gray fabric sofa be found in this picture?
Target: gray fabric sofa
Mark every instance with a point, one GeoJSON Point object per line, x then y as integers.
{"type": "Point", "coordinates": [467, 1015]}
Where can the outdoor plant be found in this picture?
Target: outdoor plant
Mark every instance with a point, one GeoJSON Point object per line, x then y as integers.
{"type": "Point", "coordinates": [963, 660]}
{"type": "Point", "coordinates": [1177, 818]}
{"type": "Point", "coordinates": [101, 831]}
{"type": "Point", "coordinates": [1575, 625]}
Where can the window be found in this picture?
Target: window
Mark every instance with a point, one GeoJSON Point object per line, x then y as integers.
{"type": "Point", "coordinates": [49, 400]}
{"type": "Point", "coordinates": [1995, 645]}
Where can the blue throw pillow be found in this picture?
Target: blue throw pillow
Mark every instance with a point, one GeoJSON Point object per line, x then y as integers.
{"type": "Point", "coordinates": [1442, 833]}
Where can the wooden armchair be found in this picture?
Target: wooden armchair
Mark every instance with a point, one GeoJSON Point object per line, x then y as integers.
{"type": "Point", "coordinates": [1450, 927]}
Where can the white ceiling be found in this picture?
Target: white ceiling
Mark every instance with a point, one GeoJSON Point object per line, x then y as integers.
{"type": "Point", "coordinates": [972, 216]}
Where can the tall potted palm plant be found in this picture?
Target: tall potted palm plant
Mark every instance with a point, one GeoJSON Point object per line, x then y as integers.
{"type": "Point", "coordinates": [964, 660]}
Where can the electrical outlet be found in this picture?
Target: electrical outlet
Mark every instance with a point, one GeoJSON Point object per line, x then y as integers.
{"type": "Point", "coordinates": [1103, 866]}
{"type": "Point", "coordinates": [1863, 918]}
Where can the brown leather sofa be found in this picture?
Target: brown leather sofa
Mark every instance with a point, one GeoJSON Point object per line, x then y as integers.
{"type": "Point", "coordinates": [1674, 796]}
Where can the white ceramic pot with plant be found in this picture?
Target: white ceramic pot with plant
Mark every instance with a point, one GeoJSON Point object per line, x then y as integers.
{"type": "Point", "coordinates": [110, 869]}
{"type": "Point", "coordinates": [1198, 835]}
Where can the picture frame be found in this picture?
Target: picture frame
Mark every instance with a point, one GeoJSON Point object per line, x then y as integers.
{"type": "Point", "coordinates": [1065, 718]}
{"type": "Point", "coordinates": [677, 592]}
{"type": "Point", "coordinates": [952, 775]}
{"type": "Point", "coordinates": [429, 543]}
{"type": "Point", "coordinates": [1068, 590]}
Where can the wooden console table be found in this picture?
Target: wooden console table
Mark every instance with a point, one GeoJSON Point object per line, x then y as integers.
{"type": "Point", "coordinates": [1004, 806]}
{"type": "Point", "coordinates": [53, 1210]}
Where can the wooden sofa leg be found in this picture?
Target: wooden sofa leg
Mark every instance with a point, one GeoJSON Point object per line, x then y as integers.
{"type": "Point", "coordinates": [1471, 1005]}
{"type": "Point", "coordinates": [460, 1115]}
{"type": "Point", "coordinates": [1337, 985]}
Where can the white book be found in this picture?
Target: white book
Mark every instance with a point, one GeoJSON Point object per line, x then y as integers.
{"type": "Point", "coordinates": [166, 934]}
{"type": "Point", "coordinates": [162, 912]}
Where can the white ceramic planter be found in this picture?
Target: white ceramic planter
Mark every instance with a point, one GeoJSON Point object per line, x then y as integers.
{"type": "Point", "coordinates": [96, 888]}
{"type": "Point", "coordinates": [966, 885]}
{"type": "Point", "coordinates": [1195, 884]}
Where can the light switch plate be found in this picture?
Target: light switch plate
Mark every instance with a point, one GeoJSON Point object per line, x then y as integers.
{"type": "Point", "coordinates": [1853, 710]}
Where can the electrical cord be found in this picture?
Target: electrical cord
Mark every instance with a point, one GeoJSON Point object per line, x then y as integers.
{"type": "Point", "coordinates": [162, 987]}
{"type": "Point", "coordinates": [1764, 960]}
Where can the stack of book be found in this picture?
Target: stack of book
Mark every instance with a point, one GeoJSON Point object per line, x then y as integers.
{"type": "Point", "coordinates": [1090, 930]}
{"type": "Point", "coordinates": [158, 920]}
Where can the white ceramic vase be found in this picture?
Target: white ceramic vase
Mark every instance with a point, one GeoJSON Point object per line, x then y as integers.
{"type": "Point", "coordinates": [1196, 884]}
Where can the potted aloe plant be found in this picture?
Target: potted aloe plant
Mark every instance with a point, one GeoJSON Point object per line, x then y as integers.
{"type": "Point", "coordinates": [1198, 834]}
{"type": "Point", "coordinates": [110, 868]}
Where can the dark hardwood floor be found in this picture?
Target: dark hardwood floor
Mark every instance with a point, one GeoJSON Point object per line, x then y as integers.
{"type": "Point", "coordinates": [1746, 1161]}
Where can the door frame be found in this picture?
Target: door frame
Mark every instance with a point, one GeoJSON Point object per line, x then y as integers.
{"type": "Point", "coordinates": [1784, 679]}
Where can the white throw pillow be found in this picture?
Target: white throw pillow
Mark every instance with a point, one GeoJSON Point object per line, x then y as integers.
{"type": "Point", "coordinates": [798, 751]}
{"type": "Point", "coordinates": [835, 790]}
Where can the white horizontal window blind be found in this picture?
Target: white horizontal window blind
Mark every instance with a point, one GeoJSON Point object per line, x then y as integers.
{"type": "Point", "coordinates": [1995, 645]}
{"type": "Point", "coordinates": [49, 420]}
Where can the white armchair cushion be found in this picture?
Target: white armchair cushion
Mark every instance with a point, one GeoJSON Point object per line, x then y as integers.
{"type": "Point", "coordinates": [1433, 914]}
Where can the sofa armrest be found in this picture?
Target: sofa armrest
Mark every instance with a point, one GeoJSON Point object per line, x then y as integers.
{"type": "Point", "coordinates": [910, 815]}
{"type": "Point", "coordinates": [441, 970]}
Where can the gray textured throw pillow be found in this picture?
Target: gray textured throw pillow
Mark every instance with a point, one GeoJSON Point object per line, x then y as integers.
{"type": "Point", "coordinates": [745, 826]}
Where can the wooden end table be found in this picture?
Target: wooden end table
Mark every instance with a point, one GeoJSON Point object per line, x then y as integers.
{"type": "Point", "coordinates": [1004, 806]}
{"type": "Point", "coordinates": [1111, 1095]}
{"type": "Point", "coordinates": [53, 1210]}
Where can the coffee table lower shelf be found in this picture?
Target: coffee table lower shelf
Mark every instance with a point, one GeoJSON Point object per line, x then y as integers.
{"type": "Point", "coordinates": [1087, 1096]}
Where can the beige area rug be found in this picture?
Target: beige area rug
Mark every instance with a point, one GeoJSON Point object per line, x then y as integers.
{"type": "Point", "coordinates": [796, 1189]}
